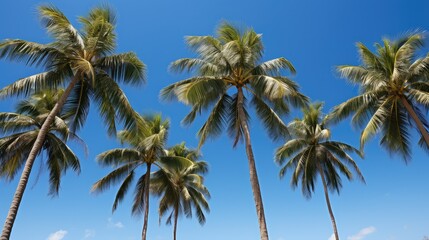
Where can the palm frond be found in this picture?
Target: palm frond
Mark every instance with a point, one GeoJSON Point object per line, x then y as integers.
{"type": "Point", "coordinates": [113, 104]}
{"type": "Point", "coordinates": [139, 200]}
{"type": "Point", "coordinates": [419, 69]}
{"type": "Point", "coordinates": [210, 50]}
{"type": "Point", "coordinates": [421, 97]}
{"type": "Point", "coordinates": [273, 67]}
{"type": "Point", "coordinates": [355, 74]}
{"type": "Point", "coordinates": [396, 136]}
{"type": "Point", "coordinates": [216, 120]}
{"type": "Point", "coordinates": [375, 123]}
{"type": "Point", "coordinates": [200, 91]}
{"type": "Point", "coordinates": [272, 122]}
{"type": "Point", "coordinates": [117, 156]}
{"type": "Point", "coordinates": [60, 158]}
{"type": "Point", "coordinates": [406, 52]}
{"type": "Point", "coordinates": [123, 189]}
{"type": "Point", "coordinates": [353, 105]}
{"type": "Point", "coordinates": [13, 152]}
{"type": "Point", "coordinates": [191, 64]}
{"type": "Point", "coordinates": [113, 177]}
{"type": "Point", "coordinates": [368, 58]}
{"type": "Point", "coordinates": [34, 83]}
{"type": "Point", "coordinates": [76, 108]}
{"type": "Point", "coordinates": [289, 149]}
{"type": "Point", "coordinates": [13, 122]}
{"type": "Point", "coordinates": [125, 67]}
{"type": "Point", "coordinates": [340, 149]}
{"type": "Point", "coordinates": [31, 53]}
{"type": "Point", "coordinates": [60, 27]}
{"type": "Point", "coordinates": [99, 30]}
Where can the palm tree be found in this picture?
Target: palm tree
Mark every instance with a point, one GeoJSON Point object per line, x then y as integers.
{"type": "Point", "coordinates": [20, 130]}
{"type": "Point", "coordinates": [228, 68]}
{"type": "Point", "coordinates": [180, 185]}
{"type": "Point", "coordinates": [85, 62]}
{"type": "Point", "coordinates": [394, 89]}
{"type": "Point", "coordinates": [147, 146]}
{"type": "Point", "coordinates": [310, 152]}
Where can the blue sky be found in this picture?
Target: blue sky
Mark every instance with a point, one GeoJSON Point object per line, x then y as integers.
{"type": "Point", "coordinates": [315, 36]}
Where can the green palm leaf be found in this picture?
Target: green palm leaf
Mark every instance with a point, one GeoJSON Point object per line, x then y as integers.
{"type": "Point", "coordinates": [393, 85]}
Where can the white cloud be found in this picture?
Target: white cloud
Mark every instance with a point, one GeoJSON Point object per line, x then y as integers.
{"type": "Point", "coordinates": [332, 237]}
{"type": "Point", "coordinates": [89, 233]}
{"type": "Point", "coordinates": [119, 225]}
{"type": "Point", "coordinates": [58, 235]}
{"type": "Point", "coordinates": [362, 233]}
{"type": "Point", "coordinates": [111, 223]}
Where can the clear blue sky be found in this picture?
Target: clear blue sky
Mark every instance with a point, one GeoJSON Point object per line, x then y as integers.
{"type": "Point", "coordinates": [315, 36]}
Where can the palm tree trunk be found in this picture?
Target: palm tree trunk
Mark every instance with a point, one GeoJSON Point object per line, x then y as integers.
{"type": "Point", "coordinates": [328, 202]}
{"type": "Point", "coordinates": [13, 210]}
{"type": "Point", "coordinates": [416, 119]}
{"type": "Point", "coordinates": [176, 217]}
{"type": "Point", "coordinates": [252, 168]}
{"type": "Point", "coordinates": [146, 209]}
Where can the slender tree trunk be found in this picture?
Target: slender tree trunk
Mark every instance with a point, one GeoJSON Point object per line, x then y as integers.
{"type": "Point", "coordinates": [13, 210]}
{"type": "Point", "coordinates": [328, 202]}
{"type": "Point", "coordinates": [252, 168]}
{"type": "Point", "coordinates": [416, 119]}
{"type": "Point", "coordinates": [176, 217]}
{"type": "Point", "coordinates": [146, 209]}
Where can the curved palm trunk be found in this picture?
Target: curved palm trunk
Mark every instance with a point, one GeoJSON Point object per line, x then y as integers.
{"type": "Point", "coordinates": [176, 217]}
{"type": "Point", "coordinates": [252, 168]}
{"type": "Point", "coordinates": [146, 209]}
{"type": "Point", "coordinates": [328, 202]}
{"type": "Point", "coordinates": [416, 119]}
{"type": "Point", "coordinates": [13, 210]}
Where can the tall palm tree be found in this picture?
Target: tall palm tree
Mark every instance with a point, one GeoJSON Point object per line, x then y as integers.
{"type": "Point", "coordinates": [310, 152]}
{"type": "Point", "coordinates": [180, 185]}
{"type": "Point", "coordinates": [147, 146]}
{"type": "Point", "coordinates": [82, 60]}
{"type": "Point", "coordinates": [229, 68]}
{"type": "Point", "coordinates": [394, 89]}
{"type": "Point", "coordinates": [20, 130]}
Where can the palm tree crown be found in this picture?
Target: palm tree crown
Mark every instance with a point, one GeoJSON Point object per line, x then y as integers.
{"type": "Point", "coordinates": [180, 184]}
{"type": "Point", "coordinates": [233, 61]}
{"type": "Point", "coordinates": [310, 152]}
{"type": "Point", "coordinates": [394, 89]}
{"type": "Point", "coordinates": [20, 130]}
{"type": "Point", "coordinates": [311, 146]}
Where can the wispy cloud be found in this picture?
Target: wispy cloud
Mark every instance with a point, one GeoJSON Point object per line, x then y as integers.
{"type": "Point", "coordinates": [362, 233]}
{"type": "Point", "coordinates": [58, 235]}
{"type": "Point", "coordinates": [332, 237]}
{"type": "Point", "coordinates": [111, 223]}
{"type": "Point", "coordinates": [89, 233]}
